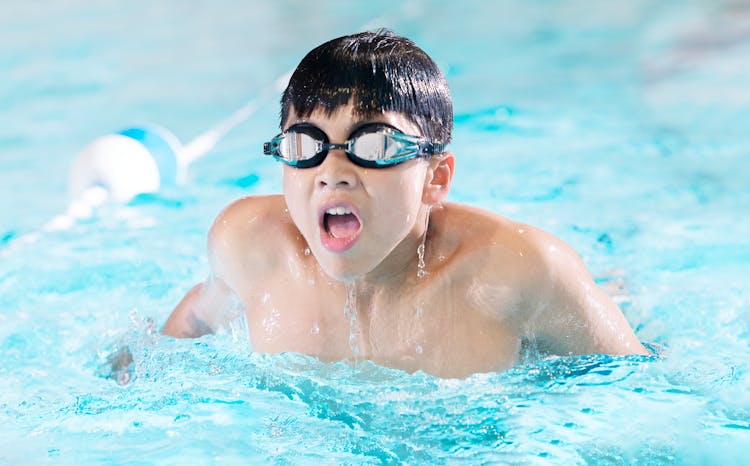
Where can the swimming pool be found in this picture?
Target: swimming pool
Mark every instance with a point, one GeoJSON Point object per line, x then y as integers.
{"type": "Point", "coordinates": [621, 129]}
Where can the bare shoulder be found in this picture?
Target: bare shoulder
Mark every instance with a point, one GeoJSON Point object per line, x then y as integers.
{"type": "Point", "coordinates": [502, 242]}
{"type": "Point", "coordinates": [497, 259]}
{"type": "Point", "coordinates": [251, 214]}
{"type": "Point", "coordinates": [239, 242]}
{"type": "Point", "coordinates": [496, 233]}
{"type": "Point", "coordinates": [248, 235]}
{"type": "Point", "coordinates": [556, 300]}
{"type": "Point", "coordinates": [536, 262]}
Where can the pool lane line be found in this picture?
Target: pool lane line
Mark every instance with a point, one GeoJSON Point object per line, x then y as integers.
{"type": "Point", "coordinates": [140, 159]}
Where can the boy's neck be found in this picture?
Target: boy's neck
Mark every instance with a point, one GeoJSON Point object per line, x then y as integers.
{"type": "Point", "coordinates": [401, 267]}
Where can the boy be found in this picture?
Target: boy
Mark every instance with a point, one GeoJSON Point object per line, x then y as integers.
{"type": "Point", "coordinates": [362, 258]}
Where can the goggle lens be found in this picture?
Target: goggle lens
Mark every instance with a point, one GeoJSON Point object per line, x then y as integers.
{"type": "Point", "coordinates": [297, 146]}
{"type": "Point", "coordinates": [379, 145]}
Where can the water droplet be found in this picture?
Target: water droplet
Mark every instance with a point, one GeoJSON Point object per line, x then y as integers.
{"type": "Point", "coordinates": [420, 312]}
{"type": "Point", "coordinates": [271, 322]}
{"type": "Point", "coordinates": [421, 272]}
{"type": "Point", "coordinates": [350, 311]}
{"type": "Point", "coordinates": [418, 349]}
{"type": "Point", "coordinates": [315, 329]}
{"type": "Point", "coordinates": [307, 251]}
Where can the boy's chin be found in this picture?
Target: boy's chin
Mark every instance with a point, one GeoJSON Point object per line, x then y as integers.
{"type": "Point", "coordinates": [341, 273]}
{"type": "Point", "coordinates": [342, 270]}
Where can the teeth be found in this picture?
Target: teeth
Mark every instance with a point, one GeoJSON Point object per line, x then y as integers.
{"type": "Point", "coordinates": [338, 211]}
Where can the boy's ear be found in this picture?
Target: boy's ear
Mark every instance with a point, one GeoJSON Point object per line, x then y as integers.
{"type": "Point", "coordinates": [439, 177]}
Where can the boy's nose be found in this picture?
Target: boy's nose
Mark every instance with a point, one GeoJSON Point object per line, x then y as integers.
{"type": "Point", "coordinates": [336, 171]}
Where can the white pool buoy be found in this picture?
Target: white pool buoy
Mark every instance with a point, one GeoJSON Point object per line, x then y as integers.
{"type": "Point", "coordinates": [136, 160]}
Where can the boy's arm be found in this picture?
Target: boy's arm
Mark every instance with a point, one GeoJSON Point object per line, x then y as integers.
{"type": "Point", "coordinates": [238, 259]}
{"type": "Point", "coordinates": [573, 315]}
{"type": "Point", "coordinates": [206, 307]}
{"type": "Point", "coordinates": [213, 302]}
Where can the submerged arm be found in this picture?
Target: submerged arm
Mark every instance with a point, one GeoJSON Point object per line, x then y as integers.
{"type": "Point", "coordinates": [206, 307]}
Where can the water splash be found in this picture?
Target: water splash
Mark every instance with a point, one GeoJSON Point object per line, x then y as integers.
{"type": "Point", "coordinates": [118, 361]}
{"type": "Point", "coordinates": [421, 271]}
{"type": "Point", "coordinates": [350, 311]}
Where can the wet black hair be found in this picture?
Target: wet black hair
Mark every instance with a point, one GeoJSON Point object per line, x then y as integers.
{"type": "Point", "coordinates": [378, 71]}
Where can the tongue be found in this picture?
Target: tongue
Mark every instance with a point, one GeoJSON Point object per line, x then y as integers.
{"type": "Point", "coordinates": [342, 226]}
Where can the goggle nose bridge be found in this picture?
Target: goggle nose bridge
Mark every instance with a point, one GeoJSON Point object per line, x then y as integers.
{"type": "Point", "coordinates": [325, 146]}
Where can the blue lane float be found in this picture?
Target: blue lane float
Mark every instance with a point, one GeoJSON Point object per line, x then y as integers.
{"type": "Point", "coordinates": [163, 147]}
{"type": "Point", "coordinates": [136, 160]}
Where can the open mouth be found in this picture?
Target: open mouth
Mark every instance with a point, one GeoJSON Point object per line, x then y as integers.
{"type": "Point", "coordinates": [341, 228]}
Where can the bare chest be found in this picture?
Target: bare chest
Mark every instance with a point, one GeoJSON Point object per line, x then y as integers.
{"type": "Point", "coordinates": [442, 330]}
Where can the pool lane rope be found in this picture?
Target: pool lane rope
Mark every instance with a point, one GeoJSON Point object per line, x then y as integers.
{"type": "Point", "coordinates": [141, 159]}
{"type": "Point", "coordinates": [136, 160]}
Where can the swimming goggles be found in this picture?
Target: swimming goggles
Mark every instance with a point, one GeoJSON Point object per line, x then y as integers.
{"type": "Point", "coordinates": [373, 145]}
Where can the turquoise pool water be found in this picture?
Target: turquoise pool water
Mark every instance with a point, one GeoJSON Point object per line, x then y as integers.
{"type": "Point", "coordinates": [622, 129]}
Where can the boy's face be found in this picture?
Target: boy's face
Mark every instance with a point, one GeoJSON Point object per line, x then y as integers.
{"type": "Point", "coordinates": [354, 218]}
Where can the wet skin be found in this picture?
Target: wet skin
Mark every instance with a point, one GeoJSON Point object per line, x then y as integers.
{"type": "Point", "coordinates": [490, 282]}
